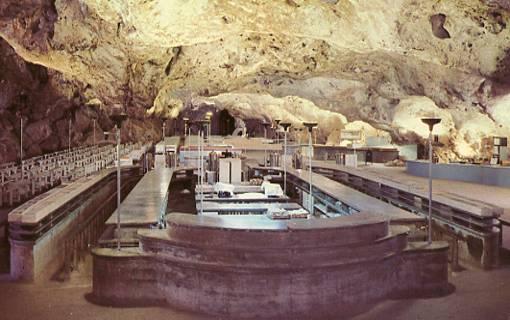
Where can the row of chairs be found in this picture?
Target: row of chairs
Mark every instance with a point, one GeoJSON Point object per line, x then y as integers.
{"type": "Point", "coordinates": [20, 182]}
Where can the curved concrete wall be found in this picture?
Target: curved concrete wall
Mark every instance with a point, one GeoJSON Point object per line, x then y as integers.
{"type": "Point", "coordinates": [274, 269]}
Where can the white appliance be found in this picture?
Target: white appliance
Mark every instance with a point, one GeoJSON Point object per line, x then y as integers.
{"type": "Point", "coordinates": [230, 170]}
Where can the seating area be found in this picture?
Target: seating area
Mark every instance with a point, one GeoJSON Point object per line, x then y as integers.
{"type": "Point", "coordinates": [20, 182]}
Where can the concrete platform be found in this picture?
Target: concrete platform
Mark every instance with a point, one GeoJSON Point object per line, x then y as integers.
{"type": "Point", "coordinates": [450, 193]}
{"type": "Point", "coordinates": [349, 196]}
{"type": "Point", "coordinates": [257, 268]}
{"type": "Point", "coordinates": [465, 214]}
{"type": "Point", "coordinates": [146, 203]}
{"type": "Point", "coordinates": [36, 209]}
{"type": "Point", "coordinates": [479, 174]}
{"type": "Point", "coordinates": [48, 231]}
{"type": "Point", "coordinates": [355, 199]}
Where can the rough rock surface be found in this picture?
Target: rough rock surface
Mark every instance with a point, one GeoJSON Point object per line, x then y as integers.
{"type": "Point", "coordinates": [385, 62]}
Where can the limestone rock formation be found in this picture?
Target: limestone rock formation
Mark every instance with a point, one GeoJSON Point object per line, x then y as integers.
{"type": "Point", "coordinates": [384, 62]}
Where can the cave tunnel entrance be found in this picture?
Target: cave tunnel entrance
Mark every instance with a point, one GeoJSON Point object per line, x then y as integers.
{"type": "Point", "coordinates": [422, 151]}
{"type": "Point", "coordinates": [227, 123]}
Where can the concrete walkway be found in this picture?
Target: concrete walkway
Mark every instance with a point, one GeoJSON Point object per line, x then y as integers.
{"type": "Point", "coordinates": [495, 196]}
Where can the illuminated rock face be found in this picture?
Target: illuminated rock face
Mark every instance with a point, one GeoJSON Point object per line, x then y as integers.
{"type": "Point", "coordinates": [376, 61]}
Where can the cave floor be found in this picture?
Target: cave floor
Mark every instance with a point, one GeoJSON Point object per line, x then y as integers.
{"type": "Point", "coordinates": [478, 295]}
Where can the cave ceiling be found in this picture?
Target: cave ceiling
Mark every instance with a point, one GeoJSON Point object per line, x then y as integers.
{"type": "Point", "coordinates": [385, 62]}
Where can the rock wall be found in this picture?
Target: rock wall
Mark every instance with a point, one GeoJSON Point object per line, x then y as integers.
{"type": "Point", "coordinates": [384, 62]}
{"type": "Point", "coordinates": [47, 101]}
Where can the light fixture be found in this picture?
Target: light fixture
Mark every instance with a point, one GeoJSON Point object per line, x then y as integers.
{"type": "Point", "coordinates": [20, 115]}
{"type": "Point", "coordinates": [118, 118]}
{"type": "Point", "coordinates": [163, 119]}
{"type": "Point", "coordinates": [201, 124]}
{"type": "Point", "coordinates": [431, 122]}
{"type": "Point", "coordinates": [285, 126]}
{"type": "Point", "coordinates": [310, 126]}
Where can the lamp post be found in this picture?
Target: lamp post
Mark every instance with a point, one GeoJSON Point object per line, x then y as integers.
{"type": "Point", "coordinates": [164, 128]}
{"type": "Point", "coordinates": [310, 126]}
{"type": "Point", "coordinates": [118, 119]}
{"type": "Point", "coordinates": [208, 117]}
{"type": "Point", "coordinates": [94, 130]}
{"type": "Point", "coordinates": [266, 126]}
{"type": "Point", "coordinates": [189, 131]}
{"type": "Point", "coordinates": [285, 126]}
{"type": "Point", "coordinates": [186, 124]}
{"type": "Point", "coordinates": [69, 136]}
{"type": "Point", "coordinates": [149, 139]}
{"type": "Point", "coordinates": [201, 124]}
{"type": "Point", "coordinates": [186, 120]}
{"type": "Point", "coordinates": [277, 123]}
{"type": "Point", "coordinates": [200, 158]}
{"type": "Point", "coordinates": [20, 115]}
{"type": "Point", "coordinates": [431, 122]}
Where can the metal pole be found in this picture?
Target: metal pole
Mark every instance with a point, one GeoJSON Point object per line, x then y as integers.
{"type": "Point", "coordinates": [199, 136]}
{"type": "Point", "coordinates": [285, 162]}
{"type": "Point", "coordinates": [94, 122]}
{"type": "Point", "coordinates": [202, 176]}
{"type": "Point", "coordinates": [21, 146]}
{"type": "Point", "coordinates": [201, 180]}
{"type": "Point", "coordinates": [310, 180]}
{"type": "Point", "coordinates": [430, 189]}
{"type": "Point", "coordinates": [164, 125]}
{"type": "Point", "coordinates": [265, 146]}
{"type": "Point", "coordinates": [69, 142]}
{"type": "Point", "coordinates": [118, 188]}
